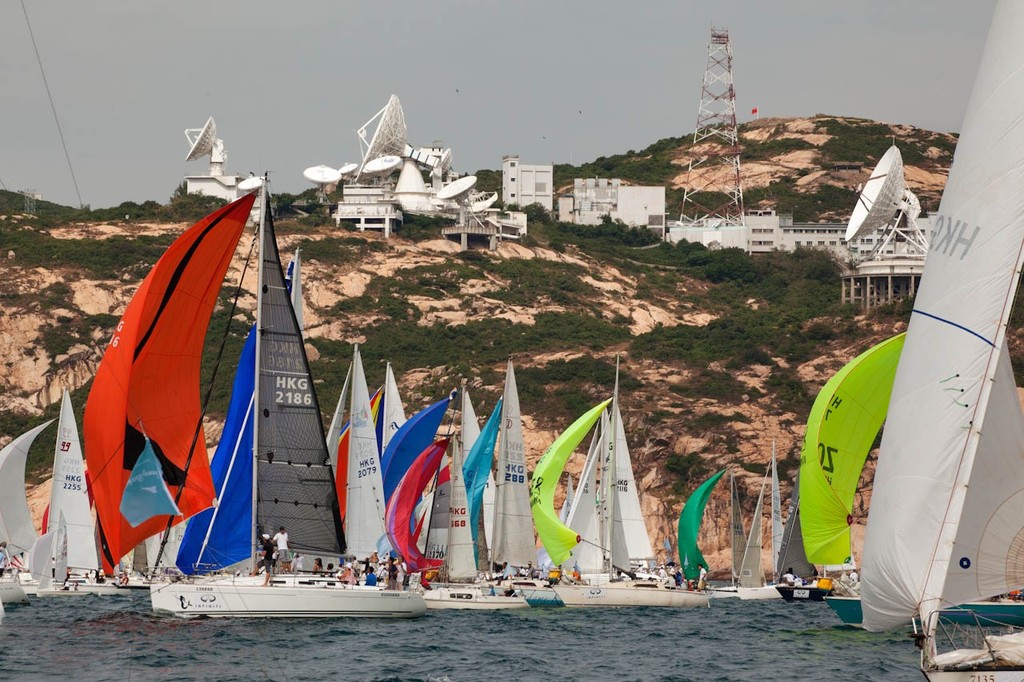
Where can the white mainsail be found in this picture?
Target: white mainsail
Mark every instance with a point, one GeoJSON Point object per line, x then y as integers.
{"type": "Point", "coordinates": [777, 527]}
{"type": "Point", "coordinates": [338, 422]}
{"type": "Point", "coordinates": [364, 513]}
{"type": "Point", "coordinates": [583, 514]}
{"type": "Point", "coordinates": [751, 574]}
{"type": "Point", "coordinates": [563, 514]}
{"type": "Point", "coordinates": [737, 536]}
{"type": "Point", "coordinates": [627, 498]}
{"type": "Point", "coordinates": [945, 524]}
{"type": "Point", "coordinates": [68, 495]}
{"type": "Point", "coordinates": [513, 526]}
{"type": "Point", "coordinates": [461, 557]}
{"type": "Point", "coordinates": [16, 527]}
{"type": "Point", "coordinates": [394, 412]}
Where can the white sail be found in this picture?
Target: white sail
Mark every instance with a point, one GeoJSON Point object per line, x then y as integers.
{"type": "Point", "coordinates": [40, 561]}
{"type": "Point", "coordinates": [433, 541]}
{"type": "Point", "coordinates": [737, 536]}
{"type": "Point", "coordinates": [16, 526]}
{"type": "Point", "coordinates": [461, 559]}
{"type": "Point", "coordinates": [68, 495]}
{"type": "Point", "coordinates": [563, 513]}
{"type": "Point", "coordinates": [490, 493]}
{"type": "Point", "coordinates": [513, 527]}
{"type": "Point", "coordinates": [945, 525]}
{"type": "Point", "coordinates": [751, 574]}
{"type": "Point", "coordinates": [295, 276]}
{"type": "Point", "coordinates": [364, 514]}
{"type": "Point", "coordinates": [60, 551]}
{"type": "Point", "coordinates": [394, 412]}
{"type": "Point", "coordinates": [627, 500]}
{"type": "Point", "coordinates": [777, 527]}
{"type": "Point", "coordinates": [338, 422]}
{"type": "Point", "coordinates": [583, 514]}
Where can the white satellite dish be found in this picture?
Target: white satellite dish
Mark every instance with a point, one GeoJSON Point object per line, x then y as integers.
{"type": "Point", "coordinates": [201, 140]}
{"type": "Point", "coordinates": [249, 184]}
{"type": "Point", "coordinates": [382, 165]}
{"type": "Point", "coordinates": [880, 198]}
{"type": "Point", "coordinates": [458, 190]}
{"type": "Point", "coordinates": [348, 170]}
{"type": "Point", "coordinates": [322, 175]}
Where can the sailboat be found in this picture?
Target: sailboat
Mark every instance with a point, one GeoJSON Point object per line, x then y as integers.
{"type": "Point", "coordinates": [457, 587]}
{"type": "Point", "coordinates": [291, 482]}
{"type": "Point", "coordinates": [945, 523]}
{"type": "Point", "coordinates": [16, 527]}
{"type": "Point", "coordinates": [559, 539]}
{"type": "Point", "coordinates": [748, 575]}
{"type": "Point", "coordinates": [793, 560]}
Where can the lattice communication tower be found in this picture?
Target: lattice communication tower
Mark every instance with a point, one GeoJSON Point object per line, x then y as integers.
{"type": "Point", "coordinates": [714, 168]}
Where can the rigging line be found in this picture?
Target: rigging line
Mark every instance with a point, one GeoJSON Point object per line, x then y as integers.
{"type": "Point", "coordinates": [206, 400]}
{"type": "Point", "coordinates": [53, 108]}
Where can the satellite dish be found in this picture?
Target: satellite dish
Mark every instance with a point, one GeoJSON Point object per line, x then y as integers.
{"type": "Point", "coordinates": [201, 140]}
{"type": "Point", "coordinates": [457, 190]}
{"type": "Point", "coordinates": [322, 175]}
{"type": "Point", "coordinates": [382, 165]}
{"type": "Point", "coordinates": [249, 184]}
{"type": "Point", "coordinates": [880, 199]}
{"type": "Point", "coordinates": [348, 170]}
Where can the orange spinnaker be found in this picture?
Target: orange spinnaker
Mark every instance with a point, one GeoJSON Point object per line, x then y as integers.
{"type": "Point", "coordinates": [148, 381]}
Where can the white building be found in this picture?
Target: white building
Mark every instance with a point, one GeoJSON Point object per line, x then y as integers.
{"type": "Point", "coordinates": [369, 208]}
{"type": "Point", "coordinates": [594, 198]}
{"type": "Point", "coordinates": [221, 186]}
{"type": "Point", "coordinates": [523, 184]}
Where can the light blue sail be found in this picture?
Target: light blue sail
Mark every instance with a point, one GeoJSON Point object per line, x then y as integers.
{"type": "Point", "coordinates": [146, 495]}
{"type": "Point", "coordinates": [478, 465]}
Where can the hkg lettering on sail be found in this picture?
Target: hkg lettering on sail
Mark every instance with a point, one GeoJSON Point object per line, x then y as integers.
{"type": "Point", "coordinates": [951, 236]}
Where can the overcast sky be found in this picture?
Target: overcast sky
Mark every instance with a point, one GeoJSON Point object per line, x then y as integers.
{"type": "Point", "coordinates": [290, 82]}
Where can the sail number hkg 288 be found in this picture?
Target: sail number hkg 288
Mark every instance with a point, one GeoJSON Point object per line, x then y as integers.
{"type": "Point", "coordinates": [515, 473]}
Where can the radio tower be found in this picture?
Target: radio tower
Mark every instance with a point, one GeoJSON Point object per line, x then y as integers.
{"type": "Point", "coordinates": [713, 196]}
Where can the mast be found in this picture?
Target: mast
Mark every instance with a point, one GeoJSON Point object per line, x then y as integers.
{"type": "Point", "coordinates": [608, 480]}
{"type": "Point", "coordinates": [777, 528]}
{"type": "Point", "coordinates": [256, 378]}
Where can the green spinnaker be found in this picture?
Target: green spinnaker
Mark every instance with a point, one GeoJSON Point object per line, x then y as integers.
{"type": "Point", "coordinates": [689, 525]}
{"type": "Point", "coordinates": [844, 422]}
{"type": "Point", "coordinates": [558, 539]}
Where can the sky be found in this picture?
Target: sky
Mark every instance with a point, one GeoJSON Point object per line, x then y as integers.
{"type": "Point", "coordinates": [289, 83]}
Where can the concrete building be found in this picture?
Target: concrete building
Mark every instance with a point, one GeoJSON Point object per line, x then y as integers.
{"type": "Point", "coordinates": [523, 184]}
{"type": "Point", "coordinates": [594, 198]}
{"type": "Point", "coordinates": [221, 186]}
{"type": "Point", "coordinates": [369, 208]}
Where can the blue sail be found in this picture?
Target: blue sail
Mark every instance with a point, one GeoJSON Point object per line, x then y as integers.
{"type": "Point", "coordinates": [230, 538]}
{"type": "Point", "coordinates": [146, 494]}
{"type": "Point", "coordinates": [412, 438]}
{"type": "Point", "coordinates": [478, 465]}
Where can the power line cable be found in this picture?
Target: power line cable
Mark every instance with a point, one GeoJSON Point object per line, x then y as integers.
{"type": "Point", "coordinates": [52, 107]}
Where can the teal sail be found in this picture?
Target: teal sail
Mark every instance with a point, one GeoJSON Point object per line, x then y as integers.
{"type": "Point", "coordinates": [146, 495]}
{"type": "Point", "coordinates": [478, 465]}
{"type": "Point", "coordinates": [689, 526]}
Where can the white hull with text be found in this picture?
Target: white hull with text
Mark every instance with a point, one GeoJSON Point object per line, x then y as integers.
{"type": "Point", "coordinates": [473, 598]}
{"type": "Point", "coordinates": [632, 593]}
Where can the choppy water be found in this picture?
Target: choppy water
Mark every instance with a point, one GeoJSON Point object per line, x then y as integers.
{"type": "Point", "coordinates": [118, 638]}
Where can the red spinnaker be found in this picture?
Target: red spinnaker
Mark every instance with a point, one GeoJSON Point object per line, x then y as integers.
{"type": "Point", "coordinates": [397, 517]}
{"type": "Point", "coordinates": [148, 381]}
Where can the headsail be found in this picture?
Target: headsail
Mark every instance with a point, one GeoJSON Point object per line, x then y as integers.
{"type": "Point", "coordinates": [391, 415]}
{"type": "Point", "coordinates": [737, 536]}
{"type": "Point", "coordinates": [68, 494]}
{"type": "Point", "coordinates": [791, 552]}
{"type": "Point", "coordinates": [842, 426]}
{"type": "Point", "coordinates": [557, 538]}
{"type": "Point", "coordinates": [16, 527]}
{"type": "Point", "coordinates": [751, 574]}
{"type": "Point", "coordinates": [147, 384]}
{"type": "Point", "coordinates": [513, 528]}
{"type": "Point", "coordinates": [400, 507]}
{"type": "Point", "coordinates": [689, 527]}
{"type": "Point", "coordinates": [409, 441]}
{"type": "Point", "coordinates": [364, 516]}
{"type": "Point", "coordinates": [477, 467]}
{"type": "Point", "coordinates": [945, 525]}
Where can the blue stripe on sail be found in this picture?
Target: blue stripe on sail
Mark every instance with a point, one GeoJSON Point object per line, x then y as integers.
{"type": "Point", "coordinates": [230, 539]}
{"type": "Point", "coordinates": [412, 438]}
{"type": "Point", "coordinates": [146, 494]}
{"type": "Point", "coordinates": [953, 324]}
{"type": "Point", "coordinates": [478, 465]}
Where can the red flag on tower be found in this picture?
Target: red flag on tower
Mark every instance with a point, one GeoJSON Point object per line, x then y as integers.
{"type": "Point", "coordinates": [754, 110]}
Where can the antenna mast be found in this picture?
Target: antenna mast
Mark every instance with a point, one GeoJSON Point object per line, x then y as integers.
{"type": "Point", "coordinates": [713, 196]}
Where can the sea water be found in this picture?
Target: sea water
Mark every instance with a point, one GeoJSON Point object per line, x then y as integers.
{"type": "Point", "coordinates": [119, 638]}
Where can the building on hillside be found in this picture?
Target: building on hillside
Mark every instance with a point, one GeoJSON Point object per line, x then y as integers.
{"type": "Point", "coordinates": [593, 199]}
{"type": "Point", "coordinates": [523, 184]}
{"type": "Point", "coordinates": [369, 207]}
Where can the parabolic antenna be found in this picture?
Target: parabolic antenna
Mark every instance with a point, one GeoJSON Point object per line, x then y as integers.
{"type": "Point", "coordinates": [348, 170]}
{"type": "Point", "coordinates": [382, 165]}
{"type": "Point", "coordinates": [322, 175]}
{"type": "Point", "coordinates": [249, 184]}
{"type": "Point", "coordinates": [457, 190]}
{"type": "Point", "coordinates": [201, 140]}
{"type": "Point", "coordinates": [880, 198]}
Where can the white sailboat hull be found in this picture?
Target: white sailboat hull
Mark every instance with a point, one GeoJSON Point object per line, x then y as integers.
{"type": "Point", "coordinates": [758, 593]}
{"type": "Point", "coordinates": [978, 675]}
{"type": "Point", "coordinates": [11, 592]}
{"type": "Point", "coordinates": [287, 597]}
{"type": "Point", "coordinates": [472, 598]}
{"type": "Point", "coordinates": [629, 594]}
{"type": "Point", "coordinates": [79, 590]}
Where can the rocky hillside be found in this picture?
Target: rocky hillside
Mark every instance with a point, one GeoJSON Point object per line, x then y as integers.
{"type": "Point", "coordinates": [721, 353]}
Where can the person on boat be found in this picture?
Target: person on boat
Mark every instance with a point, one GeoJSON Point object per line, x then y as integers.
{"type": "Point", "coordinates": [268, 558]}
{"type": "Point", "coordinates": [283, 555]}
{"type": "Point", "coordinates": [318, 565]}
{"type": "Point", "coordinates": [371, 579]}
{"type": "Point", "coordinates": [789, 578]}
{"type": "Point", "coordinates": [702, 578]}
{"type": "Point", "coordinates": [392, 574]}
{"type": "Point", "coordinates": [347, 575]}
{"type": "Point", "coordinates": [298, 563]}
